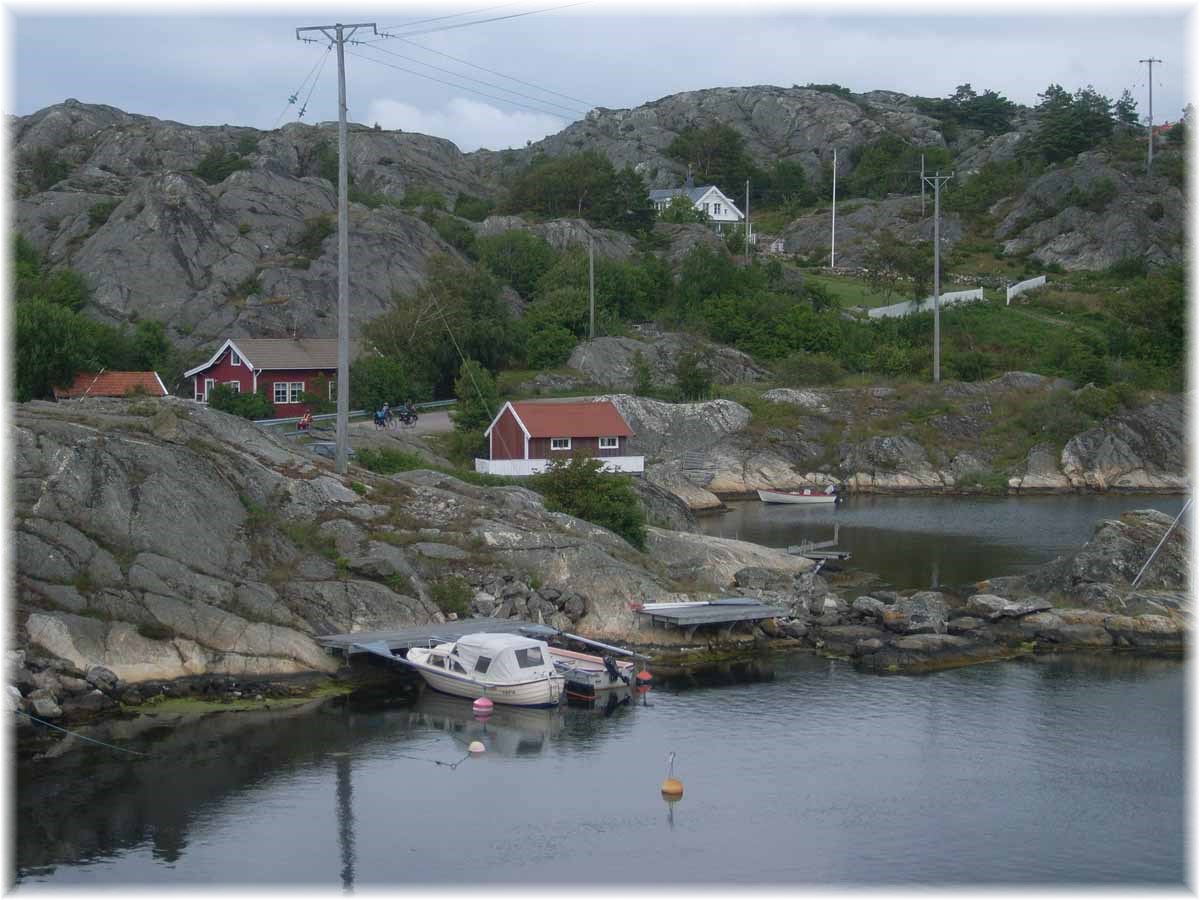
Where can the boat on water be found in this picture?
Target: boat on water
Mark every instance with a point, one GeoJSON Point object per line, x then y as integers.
{"type": "Point", "coordinates": [585, 674]}
{"type": "Point", "coordinates": [806, 495]}
{"type": "Point", "coordinates": [506, 668]}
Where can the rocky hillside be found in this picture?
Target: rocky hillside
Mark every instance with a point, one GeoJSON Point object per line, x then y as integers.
{"type": "Point", "coordinates": [248, 249]}
{"type": "Point", "coordinates": [160, 539]}
{"type": "Point", "coordinates": [944, 437]}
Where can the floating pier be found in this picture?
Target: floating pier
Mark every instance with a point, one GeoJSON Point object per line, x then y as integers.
{"type": "Point", "coordinates": [725, 613]}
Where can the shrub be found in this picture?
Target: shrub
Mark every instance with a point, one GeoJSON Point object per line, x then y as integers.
{"type": "Point", "coordinates": [693, 377]}
{"type": "Point", "coordinates": [316, 230]}
{"type": "Point", "coordinates": [578, 486]}
{"type": "Point", "coordinates": [248, 406]}
{"type": "Point", "coordinates": [643, 375]}
{"type": "Point", "coordinates": [217, 165]}
{"type": "Point", "coordinates": [986, 481]}
{"type": "Point", "coordinates": [46, 169]}
{"type": "Point", "coordinates": [387, 461]}
{"type": "Point", "coordinates": [473, 208]}
{"type": "Point", "coordinates": [452, 595]}
{"type": "Point", "coordinates": [423, 196]}
{"type": "Point", "coordinates": [549, 347]}
{"type": "Point", "coordinates": [1129, 267]}
{"type": "Point", "coordinates": [802, 368]}
{"type": "Point", "coordinates": [455, 232]}
{"type": "Point", "coordinates": [99, 213]}
{"type": "Point", "coordinates": [971, 365]}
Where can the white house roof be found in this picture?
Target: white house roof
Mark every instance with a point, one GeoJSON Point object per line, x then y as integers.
{"type": "Point", "coordinates": [278, 353]}
{"type": "Point", "coordinates": [697, 195]}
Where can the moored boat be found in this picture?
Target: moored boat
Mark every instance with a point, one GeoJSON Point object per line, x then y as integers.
{"type": "Point", "coordinates": [585, 674]}
{"type": "Point", "coordinates": [806, 495]}
{"type": "Point", "coordinates": [505, 668]}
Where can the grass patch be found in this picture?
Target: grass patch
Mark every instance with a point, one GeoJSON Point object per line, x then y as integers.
{"type": "Point", "coordinates": [984, 481]}
{"type": "Point", "coordinates": [308, 536]}
{"type": "Point", "coordinates": [402, 584]}
{"type": "Point", "coordinates": [452, 594]}
{"type": "Point", "coordinates": [849, 291]}
{"type": "Point", "coordinates": [764, 414]}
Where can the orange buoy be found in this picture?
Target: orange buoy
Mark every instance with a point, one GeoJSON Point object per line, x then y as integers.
{"type": "Point", "coordinates": [672, 787]}
{"type": "Point", "coordinates": [644, 677]}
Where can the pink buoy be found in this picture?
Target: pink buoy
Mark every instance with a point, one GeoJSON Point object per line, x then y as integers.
{"type": "Point", "coordinates": [482, 706]}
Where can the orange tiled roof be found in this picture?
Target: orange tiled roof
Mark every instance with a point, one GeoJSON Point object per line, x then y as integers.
{"type": "Point", "coordinates": [112, 384]}
{"type": "Point", "coordinates": [586, 419]}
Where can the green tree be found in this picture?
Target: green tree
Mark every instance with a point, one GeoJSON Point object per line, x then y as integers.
{"type": "Point", "coordinates": [563, 186]}
{"type": "Point", "coordinates": [643, 375]}
{"type": "Point", "coordinates": [578, 486]}
{"type": "Point", "coordinates": [478, 403]}
{"type": "Point", "coordinates": [517, 257]}
{"type": "Point", "coordinates": [1125, 109]}
{"type": "Point", "coordinates": [473, 208]}
{"type": "Point", "coordinates": [717, 154]}
{"type": "Point", "coordinates": [549, 347]}
{"type": "Point", "coordinates": [693, 376]}
{"type": "Point", "coordinates": [218, 164]}
{"type": "Point", "coordinates": [52, 344]}
{"type": "Point", "coordinates": [625, 204]}
{"type": "Point", "coordinates": [1071, 123]}
{"type": "Point", "coordinates": [681, 211]}
{"type": "Point", "coordinates": [376, 380]}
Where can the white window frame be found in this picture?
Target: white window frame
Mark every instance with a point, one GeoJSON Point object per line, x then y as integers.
{"type": "Point", "coordinates": [332, 389]}
{"type": "Point", "coordinates": [234, 359]}
{"type": "Point", "coordinates": [560, 443]}
{"type": "Point", "coordinates": [295, 391]}
{"type": "Point", "coordinates": [609, 443]}
{"type": "Point", "coordinates": [235, 385]}
{"type": "Point", "coordinates": [275, 390]}
{"type": "Point", "coordinates": [209, 384]}
{"type": "Point", "coordinates": [716, 209]}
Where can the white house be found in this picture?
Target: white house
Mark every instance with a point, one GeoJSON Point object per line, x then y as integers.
{"type": "Point", "coordinates": [707, 198]}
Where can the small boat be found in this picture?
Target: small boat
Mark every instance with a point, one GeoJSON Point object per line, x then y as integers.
{"type": "Point", "coordinates": [807, 495]}
{"type": "Point", "coordinates": [586, 674]}
{"type": "Point", "coordinates": [505, 668]}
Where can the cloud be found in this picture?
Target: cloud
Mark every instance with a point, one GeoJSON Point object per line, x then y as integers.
{"type": "Point", "coordinates": [468, 123]}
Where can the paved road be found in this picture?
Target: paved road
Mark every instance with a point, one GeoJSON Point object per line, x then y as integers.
{"type": "Point", "coordinates": [433, 422]}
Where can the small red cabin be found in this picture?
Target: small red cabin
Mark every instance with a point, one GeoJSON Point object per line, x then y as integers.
{"type": "Point", "coordinates": [286, 369]}
{"type": "Point", "coordinates": [525, 436]}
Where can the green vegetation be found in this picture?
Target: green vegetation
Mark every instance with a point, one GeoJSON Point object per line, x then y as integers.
{"type": "Point", "coordinates": [478, 403]}
{"type": "Point", "coordinates": [219, 163]}
{"type": "Point", "coordinates": [583, 185]}
{"type": "Point", "coordinates": [452, 594]}
{"type": "Point", "coordinates": [100, 212]}
{"type": "Point", "coordinates": [248, 406]}
{"type": "Point", "coordinates": [579, 487]}
{"type": "Point", "coordinates": [54, 340]}
{"type": "Point", "coordinates": [887, 166]}
{"type": "Point", "coordinates": [387, 461]}
{"type": "Point", "coordinates": [517, 258]}
{"type": "Point", "coordinates": [717, 155]}
{"type": "Point", "coordinates": [473, 208]}
{"type": "Point", "coordinates": [316, 230]}
{"type": "Point", "coordinates": [376, 380]}
{"type": "Point", "coordinates": [46, 168]}
{"type": "Point", "coordinates": [989, 112]}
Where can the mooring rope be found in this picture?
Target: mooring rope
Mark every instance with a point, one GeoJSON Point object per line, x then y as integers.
{"type": "Point", "coordinates": [436, 762]}
{"type": "Point", "coordinates": [82, 737]}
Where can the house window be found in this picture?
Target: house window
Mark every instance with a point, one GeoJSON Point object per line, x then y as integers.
{"type": "Point", "coordinates": [560, 443]}
{"type": "Point", "coordinates": [296, 391]}
{"type": "Point", "coordinates": [332, 390]}
{"type": "Point", "coordinates": [209, 384]}
{"type": "Point", "coordinates": [281, 391]}
{"type": "Point", "coordinates": [716, 209]}
{"type": "Point", "coordinates": [706, 208]}
{"type": "Point", "coordinates": [608, 443]}
{"type": "Point", "coordinates": [235, 386]}
{"type": "Point", "coordinates": [234, 359]}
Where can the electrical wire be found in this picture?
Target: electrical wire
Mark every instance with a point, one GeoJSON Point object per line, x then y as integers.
{"type": "Point", "coordinates": [82, 737]}
{"type": "Point", "coordinates": [469, 12]}
{"type": "Point", "coordinates": [546, 112]}
{"type": "Point", "coordinates": [497, 87]}
{"type": "Point", "coordinates": [296, 94]}
{"type": "Point", "coordinates": [313, 87]}
{"type": "Point", "coordinates": [494, 72]}
{"type": "Point", "coordinates": [531, 12]}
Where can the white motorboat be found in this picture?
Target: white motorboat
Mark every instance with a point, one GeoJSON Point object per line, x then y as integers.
{"type": "Point", "coordinates": [807, 495]}
{"type": "Point", "coordinates": [586, 674]}
{"type": "Point", "coordinates": [505, 668]}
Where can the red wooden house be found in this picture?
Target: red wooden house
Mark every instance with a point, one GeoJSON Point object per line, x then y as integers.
{"type": "Point", "coordinates": [112, 384]}
{"type": "Point", "coordinates": [285, 369]}
{"type": "Point", "coordinates": [525, 436]}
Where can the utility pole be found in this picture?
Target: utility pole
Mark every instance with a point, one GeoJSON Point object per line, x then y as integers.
{"type": "Point", "coordinates": [340, 34]}
{"type": "Point", "coordinates": [922, 185]}
{"type": "Point", "coordinates": [936, 181]}
{"type": "Point", "coordinates": [747, 219]}
{"type": "Point", "coordinates": [591, 290]}
{"type": "Point", "coordinates": [1150, 83]}
{"type": "Point", "coordinates": [833, 211]}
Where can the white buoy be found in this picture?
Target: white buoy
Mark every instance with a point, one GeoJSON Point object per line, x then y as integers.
{"type": "Point", "coordinates": [476, 747]}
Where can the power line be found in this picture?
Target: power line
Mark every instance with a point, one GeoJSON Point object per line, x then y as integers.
{"type": "Point", "coordinates": [462, 87]}
{"type": "Point", "coordinates": [469, 12]}
{"type": "Point", "coordinates": [478, 81]}
{"type": "Point", "coordinates": [313, 86]}
{"type": "Point", "coordinates": [320, 63]}
{"type": "Point", "coordinates": [532, 12]}
{"type": "Point", "coordinates": [494, 72]}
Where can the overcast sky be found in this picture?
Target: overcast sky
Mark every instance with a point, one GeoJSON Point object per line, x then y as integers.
{"type": "Point", "coordinates": [240, 64]}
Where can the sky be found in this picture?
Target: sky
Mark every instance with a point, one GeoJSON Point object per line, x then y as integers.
{"type": "Point", "coordinates": [526, 76]}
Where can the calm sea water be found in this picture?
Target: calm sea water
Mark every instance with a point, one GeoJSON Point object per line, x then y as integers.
{"type": "Point", "coordinates": [924, 542]}
{"type": "Point", "coordinates": [796, 771]}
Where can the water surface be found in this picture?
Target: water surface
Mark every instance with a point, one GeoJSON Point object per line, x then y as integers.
{"type": "Point", "coordinates": [798, 771]}
{"type": "Point", "coordinates": [924, 541]}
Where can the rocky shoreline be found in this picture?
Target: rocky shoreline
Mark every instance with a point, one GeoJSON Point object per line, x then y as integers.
{"type": "Point", "coordinates": [166, 550]}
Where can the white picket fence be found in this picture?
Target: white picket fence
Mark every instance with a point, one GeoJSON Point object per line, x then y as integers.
{"type": "Point", "coordinates": [908, 307]}
{"type": "Point", "coordinates": [1022, 286]}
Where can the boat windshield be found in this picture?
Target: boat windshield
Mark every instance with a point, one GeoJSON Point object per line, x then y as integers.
{"type": "Point", "coordinates": [529, 657]}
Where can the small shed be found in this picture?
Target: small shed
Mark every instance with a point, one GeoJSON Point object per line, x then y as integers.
{"type": "Point", "coordinates": [112, 384]}
{"type": "Point", "coordinates": [525, 436]}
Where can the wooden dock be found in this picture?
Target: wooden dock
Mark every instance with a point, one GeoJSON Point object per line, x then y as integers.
{"type": "Point", "coordinates": [820, 550]}
{"type": "Point", "coordinates": [724, 613]}
{"type": "Point", "coordinates": [407, 638]}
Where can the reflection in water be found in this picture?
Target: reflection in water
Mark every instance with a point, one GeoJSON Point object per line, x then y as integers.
{"type": "Point", "coordinates": [509, 730]}
{"type": "Point", "coordinates": [731, 672]}
{"type": "Point", "coordinates": [345, 819]}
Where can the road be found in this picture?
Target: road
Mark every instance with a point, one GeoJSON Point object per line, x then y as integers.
{"type": "Point", "coordinates": [435, 421]}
